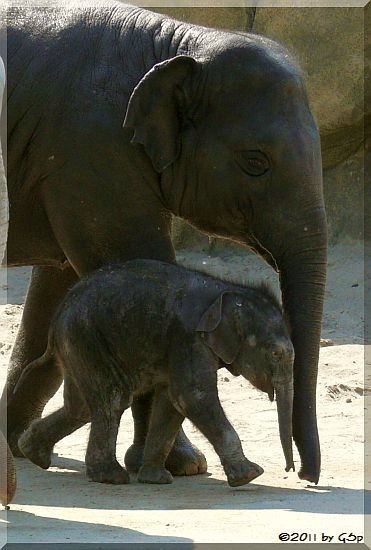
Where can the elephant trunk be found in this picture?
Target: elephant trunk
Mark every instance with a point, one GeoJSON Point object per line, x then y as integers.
{"type": "Point", "coordinates": [284, 397]}
{"type": "Point", "coordinates": [303, 279]}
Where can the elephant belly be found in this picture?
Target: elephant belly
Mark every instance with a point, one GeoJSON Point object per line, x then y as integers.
{"type": "Point", "coordinates": [30, 238]}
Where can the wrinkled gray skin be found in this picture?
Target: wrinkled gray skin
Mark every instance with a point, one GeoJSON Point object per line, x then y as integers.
{"type": "Point", "coordinates": [8, 480]}
{"type": "Point", "coordinates": [217, 130]}
{"type": "Point", "coordinates": [148, 325]}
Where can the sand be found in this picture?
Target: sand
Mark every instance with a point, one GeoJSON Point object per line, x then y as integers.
{"type": "Point", "coordinates": [61, 505]}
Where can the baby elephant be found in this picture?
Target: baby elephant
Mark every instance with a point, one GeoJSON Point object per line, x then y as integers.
{"type": "Point", "coordinates": [147, 325]}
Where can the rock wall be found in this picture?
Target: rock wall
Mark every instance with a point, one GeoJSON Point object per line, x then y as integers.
{"type": "Point", "coordinates": [329, 45]}
{"type": "Point", "coordinates": [237, 19]}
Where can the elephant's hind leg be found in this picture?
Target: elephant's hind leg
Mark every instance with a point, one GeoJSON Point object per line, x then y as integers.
{"type": "Point", "coordinates": [47, 288]}
{"type": "Point", "coordinates": [106, 411]}
{"type": "Point", "coordinates": [38, 441]}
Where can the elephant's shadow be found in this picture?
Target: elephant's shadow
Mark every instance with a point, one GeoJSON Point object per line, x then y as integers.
{"type": "Point", "coordinates": [70, 529]}
{"type": "Point", "coordinates": [67, 480]}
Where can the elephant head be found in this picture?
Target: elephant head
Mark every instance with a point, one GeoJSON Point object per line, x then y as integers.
{"type": "Point", "coordinates": [248, 333]}
{"type": "Point", "coordinates": [237, 150]}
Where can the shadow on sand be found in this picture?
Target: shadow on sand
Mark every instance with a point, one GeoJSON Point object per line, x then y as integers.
{"type": "Point", "coordinates": [54, 530]}
{"type": "Point", "coordinates": [72, 489]}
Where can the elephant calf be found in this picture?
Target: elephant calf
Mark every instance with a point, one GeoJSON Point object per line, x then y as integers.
{"type": "Point", "coordinates": [144, 325]}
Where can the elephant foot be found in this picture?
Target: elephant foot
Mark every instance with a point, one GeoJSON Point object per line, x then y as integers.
{"type": "Point", "coordinates": [312, 477]}
{"type": "Point", "coordinates": [183, 460]}
{"type": "Point", "coordinates": [243, 473]}
{"type": "Point", "coordinates": [35, 449]}
{"type": "Point", "coordinates": [148, 474]}
{"type": "Point", "coordinates": [134, 458]}
{"type": "Point", "coordinates": [186, 460]}
{"type": "Point", "coordinates": [112, 473]}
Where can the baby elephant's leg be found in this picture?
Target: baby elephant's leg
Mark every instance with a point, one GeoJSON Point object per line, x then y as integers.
{"type": "Point", "coordinates": [200, 403]}
{"type": "Point", "coordinates": [164, 424]}
{"type": "Point", "coordinates": [106, 411]}
{"type": "Point", "coordinates": [38, 441]}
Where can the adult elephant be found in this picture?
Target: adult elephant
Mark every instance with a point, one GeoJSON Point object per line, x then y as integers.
{"type": "Point", "coordinates": [217, 130]}
{"type": "Point", "coordinates": [7, 467]}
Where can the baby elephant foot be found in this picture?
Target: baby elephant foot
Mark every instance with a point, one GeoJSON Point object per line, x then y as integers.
{"type": "Point", "coordinates": [112, 473]}
{"type": "Point", "coordinates": [35, 449]}
{"type": "Point", "coordinates": [148, 474]}
{"type": "Point", "coordinates": [243, 473]}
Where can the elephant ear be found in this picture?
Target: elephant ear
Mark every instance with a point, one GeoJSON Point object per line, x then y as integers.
{"type": "Point", "coordinates": [154, 110]}
{"type": "Point", "coordinates": [219, 327]}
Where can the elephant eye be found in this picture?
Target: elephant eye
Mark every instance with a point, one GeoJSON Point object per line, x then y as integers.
{"type": "Point", "coordinates": [254, 163]}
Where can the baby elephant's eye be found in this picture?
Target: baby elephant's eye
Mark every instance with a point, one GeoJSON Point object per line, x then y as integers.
{"type": "Point", "coordinates": [253, 163]}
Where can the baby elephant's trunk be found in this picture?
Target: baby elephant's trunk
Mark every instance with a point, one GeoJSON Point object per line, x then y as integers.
{"type": "Point", "coordinates": [284, 397]}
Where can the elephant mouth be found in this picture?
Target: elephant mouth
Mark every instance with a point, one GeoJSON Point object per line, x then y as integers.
{"type": "Point", "coordinates": [268, 388]}
{"type": "Point", "coordinates": [271, 393]}
{"type": "Point", "coordinates": [233, 369]}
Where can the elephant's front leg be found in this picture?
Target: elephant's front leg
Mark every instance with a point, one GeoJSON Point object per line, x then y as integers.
{"type": "Point", "coordinates": [47, 288]}
{"type": "Point", "coordinates": [193, 391]}
{"type": "Point", "coordinates": [184, 459]}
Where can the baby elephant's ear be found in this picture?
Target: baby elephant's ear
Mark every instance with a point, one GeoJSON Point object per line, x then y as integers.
{"type": "Point", "coordinates": [218, 327]}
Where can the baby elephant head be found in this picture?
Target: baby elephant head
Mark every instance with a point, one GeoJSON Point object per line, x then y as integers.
{"type": "Point", "coordinates": [246, 330]}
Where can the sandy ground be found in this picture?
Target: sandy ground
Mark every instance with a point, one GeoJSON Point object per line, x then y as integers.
{"type": "Point", "coordinates": [60, 505]}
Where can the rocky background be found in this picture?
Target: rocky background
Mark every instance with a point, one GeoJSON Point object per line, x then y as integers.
{"type": "Point", "coordinates": [329, 44]}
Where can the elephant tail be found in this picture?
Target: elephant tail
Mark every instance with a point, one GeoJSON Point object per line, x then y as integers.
{"type": "Point", "coordinates": [39, 363]}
